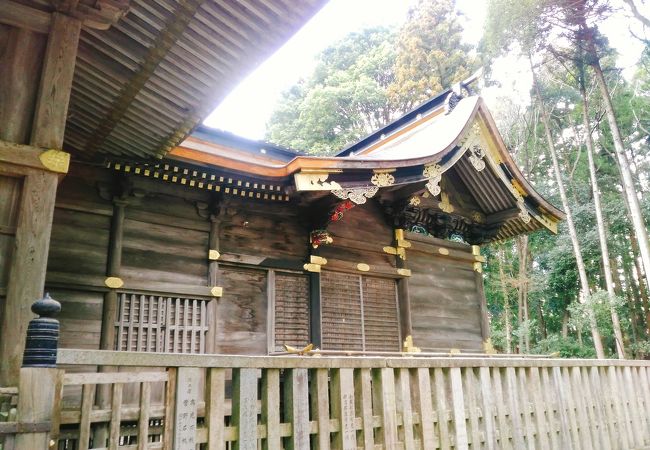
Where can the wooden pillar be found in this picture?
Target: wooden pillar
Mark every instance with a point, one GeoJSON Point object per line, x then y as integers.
{"type": "Point", "coordinates": [113, 269]}
{"type": "Point", "coordinates": [404, 299]}
{"type": "Point", "coordinates": [20, 69]}
{"type": "Point", "coordinates": [29, 261]}
{"type": "Point", "coordinates": [480, 289]}
{"type": "Point", "coordinates": [213, 280]}
{"type": "Point", "coordinates": [315, 310]}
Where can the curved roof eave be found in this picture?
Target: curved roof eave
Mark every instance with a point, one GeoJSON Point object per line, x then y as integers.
{"type": "Point", "coordinates": [431, 140]}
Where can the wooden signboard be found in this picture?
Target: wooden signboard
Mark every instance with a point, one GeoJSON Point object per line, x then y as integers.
{"type": "Point", "coordinates": [187, 398]}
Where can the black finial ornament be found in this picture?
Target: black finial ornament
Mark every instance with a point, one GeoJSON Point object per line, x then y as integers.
{"type": "Point", "coordinates": [42, 334]}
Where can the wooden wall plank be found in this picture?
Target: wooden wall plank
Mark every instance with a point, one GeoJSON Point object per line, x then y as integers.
{"type": "Point", "coordinates": [384, 402]}
{"type": "Point", "coordinates": [487, 404]}
{"type": "Point", "coordinates": [458, 405]}
{"type": "Point", "coordinates": [404, 408]}
{"type": "Point", "coordinates": [363, 404]}
{"type": "Point", "coordinates": [271, 409]}
{"type": "Point", "coordinates": [216, 408]}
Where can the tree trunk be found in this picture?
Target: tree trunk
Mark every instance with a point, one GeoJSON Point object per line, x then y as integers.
{"type": "Point", "coordinates": [584, 283]}
{"type": "Point", "coordinates": [628, 182]}
{"type": "Point", "coordinates": [506, 302]}
{"type": "Point", "coordinates": [602, 235]}
{"type": "Point", "coordinates": [522, 249]}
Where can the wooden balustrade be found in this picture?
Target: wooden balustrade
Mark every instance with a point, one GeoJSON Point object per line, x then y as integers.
{"type": "Point", "coordinates": [237, 402]}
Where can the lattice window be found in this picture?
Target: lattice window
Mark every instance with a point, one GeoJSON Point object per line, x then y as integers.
{"type": "Point", "coordinates": [291, 310]}
{"type": "Point", "coordinates": [359, 312]}
{"type": "Point", "coordinates": [153, 323]}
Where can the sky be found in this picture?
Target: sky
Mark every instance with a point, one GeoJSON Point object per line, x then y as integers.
{"type": "Point", "coordinates": [248, 107]}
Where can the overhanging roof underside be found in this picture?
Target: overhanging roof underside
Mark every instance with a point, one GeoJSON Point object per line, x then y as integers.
{"type": "Point", "coordinates": [140, 87]}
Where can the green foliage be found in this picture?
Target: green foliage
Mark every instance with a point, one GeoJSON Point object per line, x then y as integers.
{"type": "Point", "coordinates": [561, 347]}
{"type": "Point", "coordinates": [369, 78]}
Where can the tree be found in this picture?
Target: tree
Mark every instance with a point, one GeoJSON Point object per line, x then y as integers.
{"type": "Point", "coordinates": [344, 99]}
{"type": "Point", "coordinates": [367, 79]}
{"type": "Point", "coordinates": [431, 56]}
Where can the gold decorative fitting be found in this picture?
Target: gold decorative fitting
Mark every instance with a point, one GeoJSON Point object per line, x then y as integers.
{"type": "Point", "coordinates": [382, 179]}
{"type": "Point", "coordinates": [313, 259]}
{"type": "Point", "coordinates": [488, 347]}
{"type": "Point", "coordinates": [403, 243]}
{"type": "Point", "coordinates": [55, 160]}
{"type": "Point", "coordinates": [478, 267]}
{"type": "Point", "coordinates": [408, 346]}
{"type": "Point", "coordinates": [363, 267]}
{"type": "Point", "coordinates": [213, 255]}
{"type": "Point", "coordinates": [445, 205]}
{"type": "Point", "coordinates": [443, 251]}
{"type": "Point", "coordinates": [390, 250]}
{"type": "Point", "coordinates": [518, 187]}
{"type": "Point", "coordinates": [357, 196]}
{"type": "Point", "coordinates": [404, 272]}
{"type": "Point", "coordinates": [114, 282]}
{"type": "Point", "coordinates": [314, 181]}
{"type": "Point", "coordinates": [399, 233]}
{"type": "Point", "coordinates": [414, 200]}
{"type": "Point", "coordinates": [310, 267]}
{"type": "Point", "coordinates": [216, 291]}
{"type": "Point", "coordinates": [478, 217]}
{"type": "Point", "coordinates": [433, 172]}
{"type": "Point", "coordinates": [476, 250]}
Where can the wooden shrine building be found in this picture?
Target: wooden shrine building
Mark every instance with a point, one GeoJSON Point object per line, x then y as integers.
{"type": "Point", "coordinates": [158, 235]}
{"type": "Point", "coordinates": [163, 239]}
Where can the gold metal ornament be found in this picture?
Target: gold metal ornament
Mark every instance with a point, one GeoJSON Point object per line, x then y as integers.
{"type": "Point", "coordinates": [55, 160]}
{"type": "Point", "coordinates": [114, 282]}
{"type": "Point", "coordinates": [382, 179]}
{"type": "Point", "coordinates": [357, 196]}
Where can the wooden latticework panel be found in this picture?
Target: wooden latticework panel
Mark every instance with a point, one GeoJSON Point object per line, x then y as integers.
{"type": "Point", "coordinates": [291, 310]}
{"type": "Point", "coordinates": [153, 323]}
{"type": "Point", "coordinates": [380, 317]}
{"type": "Point", "coordinates": [341, 311]}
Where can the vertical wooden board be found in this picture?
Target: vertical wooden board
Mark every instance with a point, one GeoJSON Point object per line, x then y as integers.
{"type": "Point", "coordinates": [87, 400]}
{"type": "Point", "coordinates": [320, 407]}
{"type": "Point", "coordinates": [574, 422]}
{"type": "Point", "coordinates": [487, 403]}
{"type": "Point", "coordinates": [143, 419]}
{"type": "Point", "coordinates": [271, 408]}
{"type": "Point", "coordinates": [631, 391]}
{"type": "Point", "coordinates": [550, 402]}
{"type": "Point", "coordinates": [525, 407]}
{"type": "Point", "coordinates": [241, 326]}
{"type": "Point", "coordinates": [620, 401]}
{"type": "Point", "coordinates": [363, 404]}
{"type": "Point", "coordinates": [404, 407]}
{"type": "Point", "coordinates": [540, 408]}
{"type": "Point", "coordinates": [116, 417]}
{"type": "Point", "coordinates": [644, 382]}
{"type": "Point", "coordinates": [572, 379]}
{"type": "Point", "coordinates": [470, 385]}
{"type": "Point", "coordinates": [215, 408]}
{"type": "Point", "coordinates": [244, 408]}
{"type": "Point", "coordinates": [187, 398]}
{"type": "Point", "coordinates": [566, 432]}
{"type": "Point", "coordinates": [458, 404]}
{"type": "Point", "coordinates": [170, 408]}
{"type": "Point", "coordinates": [594, 396]}
{"type": "Point", "coordinates": [440, 399]}
{"type": "Point", "coordinates": [615, 432]}
{"type": "Point", "coordinates": [10, 191]}
{"type": "Point", "coordinates": [515, 408]}
{"type": "Point", "coordinates": [588, 431]}
{"type": "Point", "coordinates": [384, 402]}
{"type": "Point", "coordinates": [296, 404]}
{"type": "Point", "coordinates": [343, 408]}
{"type": "Point", "coordinates": [502, 410]}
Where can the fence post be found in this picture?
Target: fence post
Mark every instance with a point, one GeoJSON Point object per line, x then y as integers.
{"type": "Point", "coordinates": [40, 383]}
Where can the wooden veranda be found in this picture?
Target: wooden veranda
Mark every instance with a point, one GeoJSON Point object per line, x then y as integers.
{"type": "Point", "coordinates": [402, 402]}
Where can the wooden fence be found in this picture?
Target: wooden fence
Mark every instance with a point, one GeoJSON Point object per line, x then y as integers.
{"type": "Point", "coordinates": [223, 402]}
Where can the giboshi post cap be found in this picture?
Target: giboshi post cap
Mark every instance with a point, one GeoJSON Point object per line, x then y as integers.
{"type": "Point", "coordinates": [46, 307]}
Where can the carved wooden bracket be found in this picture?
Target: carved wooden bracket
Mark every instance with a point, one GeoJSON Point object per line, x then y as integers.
{"type": "Point", "coordinates": [101, 15]}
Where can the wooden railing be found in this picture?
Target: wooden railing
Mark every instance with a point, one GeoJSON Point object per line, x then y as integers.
{"type": "Point", "coordinates": [239, 402]}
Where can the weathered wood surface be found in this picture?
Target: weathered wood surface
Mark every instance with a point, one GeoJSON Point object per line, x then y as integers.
{"type": "Point", "coordinates": [388, 403]}
{"type": "Point", "coordinates": [446, 302]}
